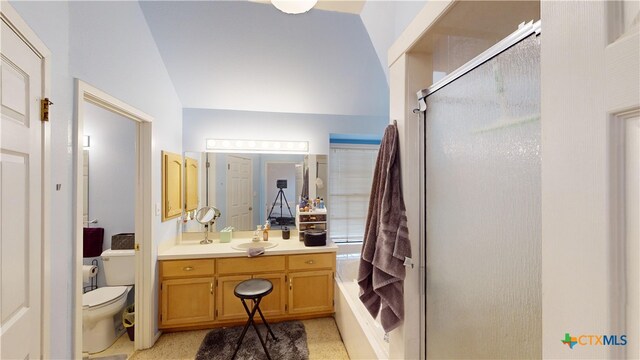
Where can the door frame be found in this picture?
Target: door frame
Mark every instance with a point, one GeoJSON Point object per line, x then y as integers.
{"type": "Point", "coordinates": [13, 19]}
{"type": "Point", "coordinates": [145, 331]}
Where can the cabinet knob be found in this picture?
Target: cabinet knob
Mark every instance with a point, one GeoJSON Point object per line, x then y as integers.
{"type": "Point", "coordinates": [310, 262]}
{"type": "Point", "coordinates": [187, 268]}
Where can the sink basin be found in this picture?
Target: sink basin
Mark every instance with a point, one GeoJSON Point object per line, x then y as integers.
{"type": "Point", "coordinates": [250, 245]}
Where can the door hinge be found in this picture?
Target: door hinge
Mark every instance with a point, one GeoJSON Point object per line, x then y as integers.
{"type": "Point", "coordinates": [286, 307]}
{"type": "Point", "coordinates": [228, 166]}
{"type": "Point", "coordinates": [208, 164]}
{"type": "Point", "coordinates": [44, 109]}
{"type": "Point", "coordinates": [216, 313]}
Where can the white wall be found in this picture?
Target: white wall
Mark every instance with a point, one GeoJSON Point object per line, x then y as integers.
{"type": "Point", "coordinates": [108, 45]}
{"type": "Point", "coordinates": [385, 21]}
{"type": "Point", "coordinates": [200, 124]}
{"type": "Point", "coordinates": [251, 56]}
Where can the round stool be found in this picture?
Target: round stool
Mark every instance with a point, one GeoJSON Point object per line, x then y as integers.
{"type": "Point", "coordinates": [254, 289]}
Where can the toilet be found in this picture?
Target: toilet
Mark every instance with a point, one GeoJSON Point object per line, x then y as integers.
{"type": "Point", "coordinates": [99, 306]}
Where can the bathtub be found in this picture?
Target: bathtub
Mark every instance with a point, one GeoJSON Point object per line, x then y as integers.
{"type": "Point", "coordinates": [362, 335]}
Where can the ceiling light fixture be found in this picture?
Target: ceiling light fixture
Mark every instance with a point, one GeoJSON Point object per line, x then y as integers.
{"type": "Point", "coordinates": [262, 146]}
{"type": "Point", "coordinates": [294, 6]}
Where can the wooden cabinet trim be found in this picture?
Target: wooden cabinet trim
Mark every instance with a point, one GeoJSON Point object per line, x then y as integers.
{"type": "Point", "coordinates": [311, 261]}
{"type": "Point", "coordinates": [273, 263]}
{"type": "Point", "coordinates": [207, 285]}
{"type": "Point", "coordinates": [188, 268]}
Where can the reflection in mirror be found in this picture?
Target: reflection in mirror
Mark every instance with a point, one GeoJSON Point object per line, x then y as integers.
{"type": "Point", "coordinates": [207, 216]}
{"type": "Point", "coordinates": [245, 188]}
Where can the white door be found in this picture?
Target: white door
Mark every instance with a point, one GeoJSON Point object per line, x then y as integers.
{"type": "Point", "coordinates": [239, 192]}
{"type": "Point", "coordinates": [632, 248]}
{"type": "Point", "coordinates": [21, 211]}
{"type": "Point", "coordinates": [622, 62]}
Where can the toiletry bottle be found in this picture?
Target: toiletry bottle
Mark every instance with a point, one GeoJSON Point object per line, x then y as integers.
{"type": "Point", "coordinates": [265, 231]}
{"type": "Point", "coordinates": [257, 235]}
{"type": "Point", "coordinates": [321, 203]}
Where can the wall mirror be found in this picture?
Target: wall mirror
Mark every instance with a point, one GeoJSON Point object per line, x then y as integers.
{"type": "Point", "coordinates": [250, 188]}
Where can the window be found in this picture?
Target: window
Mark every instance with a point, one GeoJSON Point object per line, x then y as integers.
{"type": "Point", "coordinates": [351, 172]}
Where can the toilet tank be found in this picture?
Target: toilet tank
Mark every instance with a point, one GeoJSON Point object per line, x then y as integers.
{"type": "Point", "coordinates": [119, 267]}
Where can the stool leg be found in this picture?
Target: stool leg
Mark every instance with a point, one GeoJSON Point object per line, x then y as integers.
{"type": "Point", "coordinates": [246, 327]}
{"type": "Point", "coordinates": [264, 345]}
{"type": "Point", "coordinates": [268, 327]}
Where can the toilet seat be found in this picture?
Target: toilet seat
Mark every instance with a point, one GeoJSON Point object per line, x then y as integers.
{"type": "Point", "coordinates": [102, 296]}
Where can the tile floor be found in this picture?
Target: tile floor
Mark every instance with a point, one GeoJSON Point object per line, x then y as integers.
{"type": "Point", "coordinates": [323, 340]}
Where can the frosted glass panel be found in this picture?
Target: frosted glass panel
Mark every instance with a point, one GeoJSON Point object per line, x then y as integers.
{"type": "Point", "coordinates": [483, 211]}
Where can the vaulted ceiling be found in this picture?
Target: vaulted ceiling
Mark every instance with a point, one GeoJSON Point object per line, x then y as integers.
{"type": "Point", "coordinates": [243, 55]}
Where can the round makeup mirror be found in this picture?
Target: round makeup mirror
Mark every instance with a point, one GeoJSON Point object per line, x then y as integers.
{"type": "Point", "coordinates": [205, 216]}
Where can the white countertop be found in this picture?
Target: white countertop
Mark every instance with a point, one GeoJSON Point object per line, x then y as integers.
{"type": "Point", "coordinates": [192, 249]}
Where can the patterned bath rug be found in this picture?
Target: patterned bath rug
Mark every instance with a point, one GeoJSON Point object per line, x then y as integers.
{"type": "Point", "coordinates": [291, 344]}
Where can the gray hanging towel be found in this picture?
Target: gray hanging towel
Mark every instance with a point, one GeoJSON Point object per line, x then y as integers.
{"type": "Point", "coordinates": [386, 242]}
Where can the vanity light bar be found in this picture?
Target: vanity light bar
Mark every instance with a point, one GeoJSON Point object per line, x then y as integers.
{"type": "Point", "coordinates": [261, 146]}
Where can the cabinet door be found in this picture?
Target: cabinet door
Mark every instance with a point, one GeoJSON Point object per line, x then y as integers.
{"type": "Point", "coordinates": [229, 307]}
{"type": "Point", "coordinates": [191, 184]}
{"type": "Point", "coordinates": [310, 291]}
{"type": "Point", "coordinates": [273, 304]}
{"type": "Point", "coordinates": [171, 185]}
{"type": "Point", "coordinates": [187, 301]}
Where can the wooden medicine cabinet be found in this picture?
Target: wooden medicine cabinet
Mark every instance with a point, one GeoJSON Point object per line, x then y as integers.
{"type": "Point", "coordinates": [171, 185]}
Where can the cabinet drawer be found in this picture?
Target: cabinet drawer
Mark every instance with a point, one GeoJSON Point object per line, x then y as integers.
{"type": "Point", "coordinates": [250, 265]}
{"type": "Point", "coordinates": [182, 268]}
{"type": "Point", "coordinates": [316, 217]}
{"type": "Point", "coordinates": [312, 261]}
{"type": "Point", "coordinates": [321, 226]}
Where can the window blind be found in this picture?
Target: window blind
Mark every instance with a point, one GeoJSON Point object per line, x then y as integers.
{"type": "Point", "coordinates": [350, 173]}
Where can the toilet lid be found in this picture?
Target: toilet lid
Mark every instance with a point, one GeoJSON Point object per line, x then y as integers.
{"type": "Point", "coordinates": [102, 295]}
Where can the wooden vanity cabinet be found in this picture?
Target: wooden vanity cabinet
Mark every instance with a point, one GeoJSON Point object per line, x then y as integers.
{"type": "Point", "coordinates": [229, 306]}
{"type": "Point", "coordinates": [199, 293]}
{"type": "Point", "coordinates": [231, 271]}
{"type": "Point", "coordinates": [311, 283]}
{"type": "Point", "coordinates": [186, 292]}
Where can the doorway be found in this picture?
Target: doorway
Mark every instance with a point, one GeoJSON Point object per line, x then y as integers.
{"type": "Point", "coordinates": [90, 100]}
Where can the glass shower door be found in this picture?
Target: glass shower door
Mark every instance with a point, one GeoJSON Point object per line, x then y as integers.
{"type": "Point", "coordinates": [483, 247]}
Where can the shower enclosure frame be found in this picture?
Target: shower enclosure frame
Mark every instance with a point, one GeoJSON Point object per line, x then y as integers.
{"type": "Point", "coordinates": [524, 31]}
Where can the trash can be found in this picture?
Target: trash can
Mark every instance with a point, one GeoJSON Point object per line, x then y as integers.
{"type": "Point", "coordinates": [128, 320]}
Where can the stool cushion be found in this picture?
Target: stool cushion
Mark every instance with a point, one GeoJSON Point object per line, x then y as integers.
{"type": "Point", "coordinates": [253, 288]}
